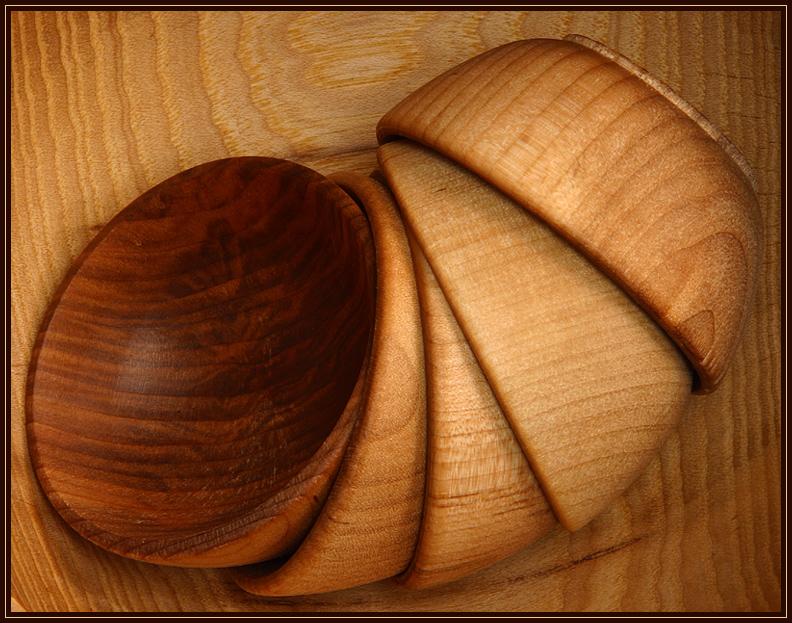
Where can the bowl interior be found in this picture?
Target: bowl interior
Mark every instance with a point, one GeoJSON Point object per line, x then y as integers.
{"type": "Point", "coordinates": [200, 351]}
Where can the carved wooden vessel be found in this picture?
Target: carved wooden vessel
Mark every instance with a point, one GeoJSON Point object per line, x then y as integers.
{"type": "Point", "coordinates": [347, 380]}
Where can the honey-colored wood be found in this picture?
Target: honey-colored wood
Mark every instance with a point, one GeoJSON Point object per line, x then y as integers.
{"type": "Point", "coordinates": [156, 427]}
{"type": "Point", "coordinates": [105, 105]}
{"type": "Point", "coordinates": [369, 525]}
{"type": "Point", "coordinates": [617, 168]}
{"type": "Point", "coordinates": [482, 502]}
{"type": "Point", "coordinates": [671, 95]}
{"type": "Point", "coordinates": [590, 385]}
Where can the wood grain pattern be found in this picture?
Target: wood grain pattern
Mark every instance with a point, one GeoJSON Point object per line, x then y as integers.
{"type": "Point", "coordinates": [368, 527]}
{"type": "Point", "coordinates": [589, 384]}
{"type": "Point", "coordinates": [105, 105]}
{"type": "Point", "coordinates": [482, 500]}
{"type": "Point", "coordinates": [617, 168]}
{"type": "Point", "coordinates": [170, 416]}
{"type": "Point", "coordinates": [672, 96]}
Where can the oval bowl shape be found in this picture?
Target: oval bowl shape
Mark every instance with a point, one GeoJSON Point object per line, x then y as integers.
{"type": "Point", "coordinates": [198, 373]}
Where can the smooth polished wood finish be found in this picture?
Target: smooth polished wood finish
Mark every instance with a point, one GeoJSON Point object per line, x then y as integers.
{"type": "Point", "coordinates": [590, 385]}
{"type": "Point", "coordinates": [368, 527]}
{"type": "Point", "coordinates": [667, 92]}
{"type": "Point", "coordinates": [617, 168]}
{"type": "Point", "coordinates": [188, 400]}
{"type": "Point", "coordinates": [107, 104]}
{"type": "Point", "coordinates": [482, 502]}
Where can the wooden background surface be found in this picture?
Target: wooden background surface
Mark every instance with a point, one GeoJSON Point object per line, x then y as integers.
{"type": "Point", "coordinates": [105, 105]}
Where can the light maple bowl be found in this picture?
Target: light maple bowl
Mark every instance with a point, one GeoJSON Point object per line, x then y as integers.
{"type": "Point", "coordinates": [565, 252]}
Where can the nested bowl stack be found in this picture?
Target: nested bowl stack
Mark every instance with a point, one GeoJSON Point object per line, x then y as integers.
{"type": "Point", "coordinates": [408, 375]}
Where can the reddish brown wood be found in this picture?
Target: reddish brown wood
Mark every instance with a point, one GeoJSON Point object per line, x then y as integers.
{"type": "Point", "coordinates": [191, 391]}
{"type": "Point", "coordinates": [369, 525]}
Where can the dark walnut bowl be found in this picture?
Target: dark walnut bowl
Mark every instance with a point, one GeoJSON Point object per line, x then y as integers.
{"type": "Point", "coordinates": [198, 372]}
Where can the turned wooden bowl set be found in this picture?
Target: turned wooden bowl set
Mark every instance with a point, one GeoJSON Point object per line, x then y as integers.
{"type": "Point", "coordinates": [326, 382]}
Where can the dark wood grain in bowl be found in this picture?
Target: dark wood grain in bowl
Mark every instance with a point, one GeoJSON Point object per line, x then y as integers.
{"type": "Point", "coordinates": [198, 372]}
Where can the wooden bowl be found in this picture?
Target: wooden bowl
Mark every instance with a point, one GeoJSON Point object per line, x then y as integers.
{"type": "Point", "coordinates": [622, 168]}
{"type": "Point", "coordinates": [593, 237]}
{"type": "Point", "coordinates": [198, 373]}
{"type": "Point", "coordinates": [589, 385]}
{"type": "Point", "coordinates": [369, 525]}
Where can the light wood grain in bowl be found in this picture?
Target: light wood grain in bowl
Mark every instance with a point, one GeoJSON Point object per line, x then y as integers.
{"type": "Point", "coordinates": [614, 166]}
